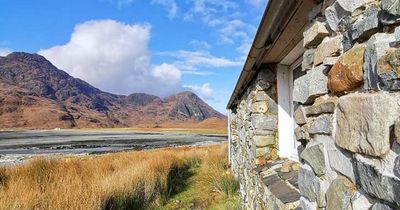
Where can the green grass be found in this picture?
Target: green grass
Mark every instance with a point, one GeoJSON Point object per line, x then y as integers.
{"type": "Point", "coordinates": [209, 186]}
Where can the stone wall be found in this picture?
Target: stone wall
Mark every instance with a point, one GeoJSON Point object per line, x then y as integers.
{"type": "Point", "coordinates": [348, 118]}
{"type": "Point", "coordinates": [254, 148]}
{"type": "Point", "coordinates": [348, 124]}
{"type": "Point", "coordinates": [254, 138]}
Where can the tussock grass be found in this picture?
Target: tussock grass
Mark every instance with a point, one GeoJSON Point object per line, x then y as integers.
{"type": "Point", "coordinates": [129, 180]}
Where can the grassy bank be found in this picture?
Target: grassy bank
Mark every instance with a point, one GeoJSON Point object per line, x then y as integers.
{"type": "Point", "coordinates": [156, 179]}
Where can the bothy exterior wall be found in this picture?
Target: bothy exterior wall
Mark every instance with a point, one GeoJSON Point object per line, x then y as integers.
{"type": "Point", "coordinates": [349, 114]}
{"type": "Point", "coordinates": [351, 154]}
{"type": "Point", "coordinates": [254, 143]}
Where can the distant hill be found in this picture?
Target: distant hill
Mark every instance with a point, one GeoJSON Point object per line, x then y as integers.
{"type": "Point", "coordinates": [34, 94]}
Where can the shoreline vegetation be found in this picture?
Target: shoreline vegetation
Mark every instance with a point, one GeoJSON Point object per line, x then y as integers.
{"type": "Point", "coordinates": [164, 179]}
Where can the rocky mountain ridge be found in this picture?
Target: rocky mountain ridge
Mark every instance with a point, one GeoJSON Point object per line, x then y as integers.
{"type": "Point", "coordinates": [37, 95]}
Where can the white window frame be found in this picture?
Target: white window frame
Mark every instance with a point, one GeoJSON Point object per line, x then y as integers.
{"type": "Point", "coordinates": [286, 123]}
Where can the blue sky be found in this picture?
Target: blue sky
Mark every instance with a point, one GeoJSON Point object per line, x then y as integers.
{"type": "Point", "coordinates": [123, 46]}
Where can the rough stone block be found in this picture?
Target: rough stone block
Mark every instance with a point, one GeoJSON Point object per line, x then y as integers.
{"type": "Point", "coordinates": [391, 6]}
{"type": "Point", "coordinates": [272, 106]}
{"type": "Point", "coordinates": [381, 206]}
{"type": "Point", "coordinates": [365, 120]}
{"type": "Point", "coordinates": [311, 85]}
{"type": "Point", "coordinates": [263, 141]}
{"type": "Point", "coordinates": [352, 5]}
{"type": "Point", "coordinates": [321, 108]}
{"type": "Point", "coordinates": [367, 24]}
{"type": "Point", "coordinates": [262, 85]}
{"type": "Point", "coordinates": [373, 179]}
{"type": "Point", "coordinates": [339, 194]}
{"type": "Point", "coordinates": [264, 122]}
{"type": "Point", "coordinates": [261, 96]}
{"type": "Point", "coordinates": [259, 107]}
{"type": "Point", "coordinates": [314, 34]}
{"type": "Point", "coordinates": [306, 204]}
{"type": "Point", "coordinates": [330, 61]}
{"type": "Point", "coordinates": [301, 133]}
{"type": "Point", "coordinates": [308, 60]}
{"type": "Point", "coordinates": [266, 75]}
{"type": "Point", "coordinates": [321, 125]}
{"type": "Point", "coordinates": [300, 116]}
{"type": "Point", "coordinates": [389, 68]}
{"type": "Point", "coordinates": [342, 162]}
{"type": "Point", "coordinates": [361, 201]}
{"type": "Point", "coordinates": [264, 151]}
{"type": "Point", "coordinates": [335, 14]}
{"type": "Point", "coordinates": [329, 47]}
{"type": "Point", "coordinates": [376, 47]}
{"type": "Point", "coordinates": [312, 187]}
{"type": "Point", "coordinates": [315, 156]}
{"type": "Point", "coordinates": [347, 73]}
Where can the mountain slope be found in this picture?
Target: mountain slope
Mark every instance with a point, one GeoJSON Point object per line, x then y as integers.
{"type": "Point", "coordinates": [35, 94]}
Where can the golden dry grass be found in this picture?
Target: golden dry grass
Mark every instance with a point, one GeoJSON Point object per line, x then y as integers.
{"type": "Point", "coordinates": [129, 180]}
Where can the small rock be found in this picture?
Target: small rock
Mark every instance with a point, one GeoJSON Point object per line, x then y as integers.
{"type": "Point", "coordinates": [347, 73]}
{"type": "Point", "coordinates": [307, 205]}
{"type": "Point", "coordinates": [339, 194]}
{"type": "Point", "coordinates": [263, 141]}
{"type": "Point", "coordinates": [334, 14]}
{"type": "Point", "coordinates": [301, 133]}
{"type": "Point", "coordinates": [321, 108]}
{"type": "Point", "coordinates": [372, 180]}
{"type": "Point", "coordinates": [391, 6]}
{"type": "Point", "coordinates": [266, 75]}
{"type": "Point", "coordinates": [376, 48]}
{"type": "Point", "coordinates": [361, 201]}
{"type": "Point", "coordinates": [314, 34]}
{"type": "Point", "coordinates": [396, 168]}
{"type": "Point", "coordinates": [342, 162]}
{"type": "Point", "coordinates": [261, 96]}
{"type": "Point", "coordinates": [286, 167]}
{"type": "Point", "coordinates": [259, 107]}
{"type": "Point", "coordinates": [329, 47]}
{"type": "Point", "coordinates": [367, 25]}
{"type": "Point", "coordinates": [264, 122]}
{"type": "Point", "coordinates": [300, 116]}
{"type": "Point", "coordinates": [330, 61]}
{"type": "Point", "coordinates": [262, 85]}
{"type": "Point", "coordinates": [308, 60]}
{"type": "Point", "coordinates": [315, 156]}
{"type": "Point", "coordinates": [321, 125]}
{"type": "Point", "coordinates": [352, 5]}
{"type": "Point", "coordinates": [260, 152]}
{"type": "Point", "coordinates": [311, 85]}
{"type": "Point", "coordinates": [389, 68]}
{"type": "Point", "coordinates": [311, 187]}
{"type": "Point", "coordinates": [381, 206]}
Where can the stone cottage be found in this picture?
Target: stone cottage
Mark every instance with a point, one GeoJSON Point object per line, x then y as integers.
{"type": "Point", "coordinates": [314, 119]}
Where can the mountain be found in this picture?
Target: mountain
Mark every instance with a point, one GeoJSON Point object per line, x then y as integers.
{"type": "Point", "coordinates": [34, 94]}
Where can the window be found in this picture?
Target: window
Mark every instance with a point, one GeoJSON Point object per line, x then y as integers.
{"type": "Point", "coordinates": [286, 106]}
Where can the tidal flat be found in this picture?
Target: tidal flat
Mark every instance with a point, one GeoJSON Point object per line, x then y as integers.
{"type": "Point", "coordinates": [19, 146]}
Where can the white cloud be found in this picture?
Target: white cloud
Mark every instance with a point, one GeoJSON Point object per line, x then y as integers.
{"type": "Point", "coordinates": [226, 18]}
{"type": "Point", "coordinates": [204, 91]}
{"type": "Point", "coordinates": [167, 74]}
{"type": "Point", "coordinates": [200, 45]}
{"type": "Point", "coordinates": [169, 5]}
{"type": "Point", "coordinates": [191, 60]}
{"type": "Point", "coordinates": [114, 57]}
{"type": "Point", "coordinates": [5, 51]}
